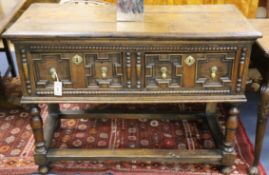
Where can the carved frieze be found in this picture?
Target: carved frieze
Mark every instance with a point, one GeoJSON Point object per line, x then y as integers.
{"type": "Point", "coordinates": [141, 47]}
{"type": "Point", "coordinates": [155, 92]}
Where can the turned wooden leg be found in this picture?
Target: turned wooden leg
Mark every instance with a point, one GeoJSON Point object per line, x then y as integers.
{"type": "Point", "coordinates": [261, 127]}
{"type": "Point", "coordinates": [40, 148]}
{"type": "Point", "coordinates": [228, 146]}
{"type": "Point", "coordinates": [53, 122]}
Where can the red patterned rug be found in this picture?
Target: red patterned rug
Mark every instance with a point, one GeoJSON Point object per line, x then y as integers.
{"type": "Point", "coordinates": [17, 143]}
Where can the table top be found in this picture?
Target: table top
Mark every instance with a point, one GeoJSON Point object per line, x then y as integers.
{"type": "Point", "coordinates": [177, 22]}
{"type": "Point", "coordinates": [263, 26]}
{"type": "Point", "coordinates": [8, 9]}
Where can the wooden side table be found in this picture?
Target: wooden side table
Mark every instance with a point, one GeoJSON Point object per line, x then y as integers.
{"type": "Point", "coordinates": [91, 58]}
{"type": "Point", "coordinates": [260, 59]}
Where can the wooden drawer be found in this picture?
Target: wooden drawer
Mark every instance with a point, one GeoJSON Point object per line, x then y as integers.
{"type": "Point", "coordinates": [79, 70]}
{"type": "Point", "coordinates": [189, 70]}
{"type": "Point", "coordinates": [126, 69]}
{"type": "Point", "coordinates": [145, 61]}
{"type": "Point", "coordinates": [161, 71]}
{"type": "Point", "coordinates": [151, 61]}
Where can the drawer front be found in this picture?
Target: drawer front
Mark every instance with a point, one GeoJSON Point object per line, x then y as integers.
{"type": "Point", "coordinates": [215, 70]}
{"type": "Point", "coordinates": [198, 70]}
{"type": "Point", "coordinates": [104, 70]}
{"type": "Point", "coordinates": [88, 70]}
{"type": "Point", "coordinates": [163, 70]}
{"type": "Point", "coordinates": [133, 70]}
{"type": "Point", "coordinates": [44, 63]}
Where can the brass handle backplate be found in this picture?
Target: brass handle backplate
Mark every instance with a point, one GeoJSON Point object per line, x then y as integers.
{"type": "Point", "coordinates": [190, 60]}
{"type": "Point", "coordinates": [214, 70]}
{"type": "Point", "coordinates": [104, 70]}
{"type": "Point", "coordinates": [163, 72]}
{"type": "Point", "coordinates": [77, 59]}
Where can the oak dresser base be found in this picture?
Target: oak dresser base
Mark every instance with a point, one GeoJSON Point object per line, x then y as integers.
{"type": "Point", "coordinates": [167, 58]}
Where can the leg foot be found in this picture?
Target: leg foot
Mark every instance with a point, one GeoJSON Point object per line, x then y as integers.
{"type": "Point", "coordinates": [253, 170]}
{"type": "Point", "coordinates": [226, 170]}
{"type": "Point", "coordinates": [43, 169]}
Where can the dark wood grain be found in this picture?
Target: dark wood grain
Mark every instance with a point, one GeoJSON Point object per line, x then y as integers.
{"type": "Point", "coordinates": [206, 21]}
{"type": "Point", "coordinates": [137, 99]}
{"type": "Point", "coordinates": [182, 156]}
{"type": "Point", "coordinates": [167, 58]}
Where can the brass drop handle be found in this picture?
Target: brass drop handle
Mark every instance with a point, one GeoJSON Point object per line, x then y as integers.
{"type": "Point", "coordinates": [164, 72]}
{"type": "Point", "coordinates": [53, 73]}
{"type": "Point", "coordinates": [214, 70]}
{"type": "Point", "coordinates": [104, 70]}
